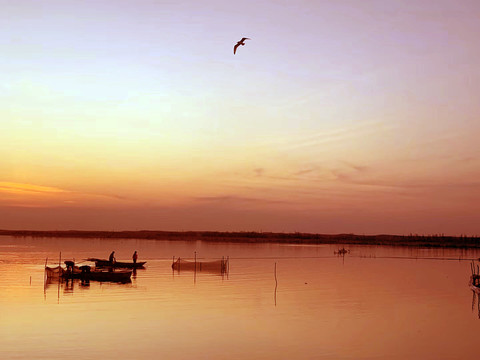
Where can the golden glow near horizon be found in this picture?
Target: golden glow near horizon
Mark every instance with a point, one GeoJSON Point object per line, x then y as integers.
{"type": "Point", "coordinates": [358, 122]}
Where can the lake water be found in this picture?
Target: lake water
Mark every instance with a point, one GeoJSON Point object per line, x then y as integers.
{"type": "Point", "coordinates": [374, 303]}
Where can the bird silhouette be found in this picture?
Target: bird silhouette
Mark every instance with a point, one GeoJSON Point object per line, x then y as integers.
{"type": "Point", "coordinates": [241, 42]}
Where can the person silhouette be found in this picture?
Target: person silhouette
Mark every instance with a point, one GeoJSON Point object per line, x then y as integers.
{"type": "Point", "coordinates": [135, 257]}
{"type": "Point", "coordinates": [111, 258]}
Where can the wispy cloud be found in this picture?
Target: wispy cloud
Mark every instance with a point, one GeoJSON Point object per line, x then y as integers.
{"type": "Point", "coordinates": [22, 188]}
{"type": "Point", "coordinates": [391, 177]}
{"type": "Point", "coordinates": [304, 172]}
{"type": "Point", "coordinates": [335, 135]}
{"type": "Point", "coordinates": [259, 171]}
{"type": "Point", "coordinates": [411, 184]}
{"type": "Point", "coordinates": [358, 168]}
{"type": "Point", "coordinates": [235, 198]}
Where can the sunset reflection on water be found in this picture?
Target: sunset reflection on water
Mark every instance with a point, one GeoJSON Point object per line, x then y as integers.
{"type": "Point", "coordinates": [382, 302]}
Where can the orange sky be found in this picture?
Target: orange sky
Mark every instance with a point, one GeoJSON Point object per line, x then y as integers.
{"type": "Point", "coordinates": [335, 117]}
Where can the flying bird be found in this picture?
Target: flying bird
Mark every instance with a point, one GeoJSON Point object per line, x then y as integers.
{"type": "Point", "coordinates": [241, 42]}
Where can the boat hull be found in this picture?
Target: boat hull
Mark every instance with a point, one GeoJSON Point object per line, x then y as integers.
{"type": "Point", "coordinates": [122, 276]}
{"type": "Point", "coordinates": [117, 264]}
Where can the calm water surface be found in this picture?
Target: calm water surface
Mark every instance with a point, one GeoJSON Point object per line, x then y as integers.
{"type": "Point", "coordinates": [376, 302]}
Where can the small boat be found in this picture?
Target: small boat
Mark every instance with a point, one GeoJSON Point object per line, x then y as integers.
{"type": "Point", "coordinates": [117, 264]}
{"type": "Point", "coordinates": [88, 274]}
{"type": "Point", "coordinates": [341, 251]}
{"type": "Point", "coordinates": [215, 266]}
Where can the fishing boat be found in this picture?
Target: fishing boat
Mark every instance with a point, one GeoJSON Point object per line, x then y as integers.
{"type": "Point", "coordinates": [216, 266]}
{"type": "Point", "coordinates": [88, 274]}
{"type": "Point", "coordinates": [117, 264]}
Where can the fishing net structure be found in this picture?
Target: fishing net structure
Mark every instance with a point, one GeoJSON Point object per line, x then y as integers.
{"type": "Point", "coordinates": [54, 272]}
{"type": "Point", "coordinates": [215, 266]}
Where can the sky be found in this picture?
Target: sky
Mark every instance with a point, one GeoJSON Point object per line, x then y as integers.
{"type": "Point", "coordinates": [336, 117]}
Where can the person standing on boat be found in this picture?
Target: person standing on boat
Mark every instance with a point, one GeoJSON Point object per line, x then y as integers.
{"type": "Point", "coordinates": [135, 257]}
{"type": "Point", "coordinates": [111, 258]}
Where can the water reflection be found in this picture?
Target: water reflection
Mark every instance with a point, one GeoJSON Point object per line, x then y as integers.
{"type": "Point", "coordinates": [67, 286]}
{"type": "Point", "coordinates": [382, 303]}
{"type": "Point", "coordinates": [476, 301]}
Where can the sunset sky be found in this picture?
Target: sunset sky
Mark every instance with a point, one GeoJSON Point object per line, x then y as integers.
{"type": "Point", "coordinates": [338, 116]}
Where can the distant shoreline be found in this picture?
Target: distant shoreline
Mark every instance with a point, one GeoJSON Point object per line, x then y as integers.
{"type": "Point", "coordinates": [263, 237]}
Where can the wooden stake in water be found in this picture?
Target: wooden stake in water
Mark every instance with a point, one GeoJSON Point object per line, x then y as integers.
{"type": "Point", "coordinates": [45, 279]}
{"type": "Point", "coordinates": [195, 269]}
{"type": "Point", "coordinates": [276, 284]}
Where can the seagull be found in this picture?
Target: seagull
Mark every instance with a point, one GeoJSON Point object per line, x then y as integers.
{"type": "Point", "coordinates": [241, 42]}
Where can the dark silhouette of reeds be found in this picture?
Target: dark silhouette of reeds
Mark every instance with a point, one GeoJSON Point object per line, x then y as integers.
{"type": "Point", "coordinates": [433, 240]}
